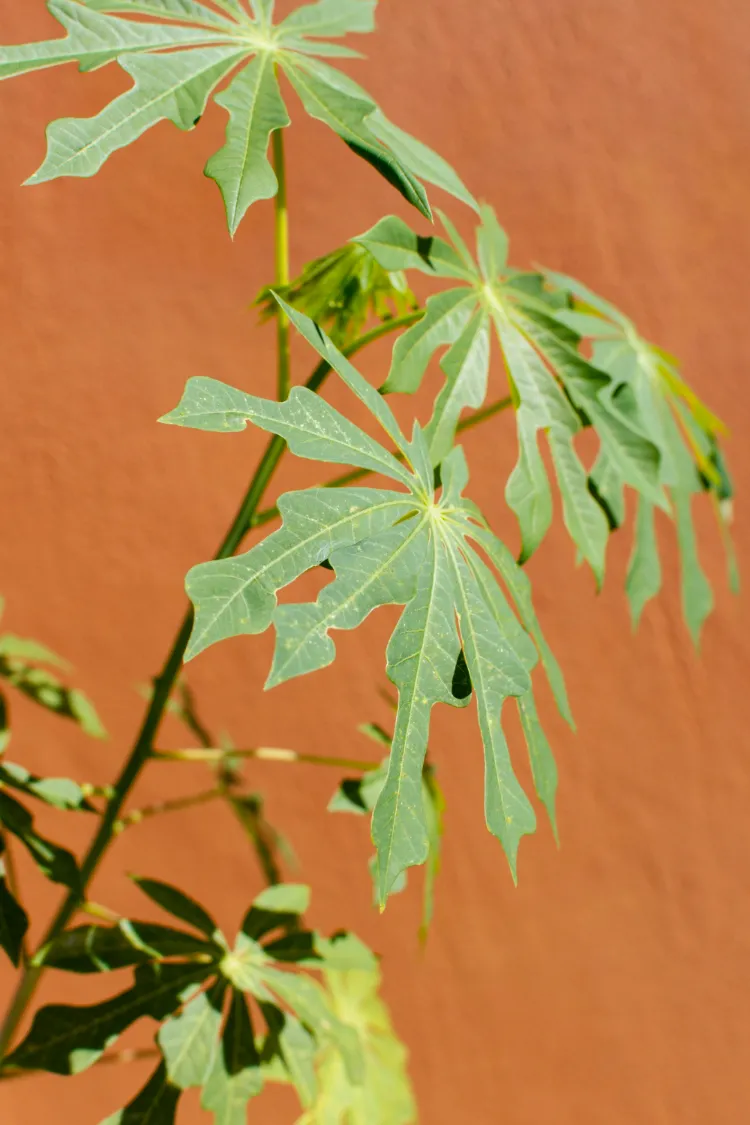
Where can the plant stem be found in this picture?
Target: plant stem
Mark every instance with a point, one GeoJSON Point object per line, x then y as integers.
{"type": "Point", "coordinates": [180, 803]}
{"type": "Point", "coordinates": [262, 754]}
{"type": "Point", "coordinates": [469, 423]}
{"type": "Point", "coordinates": [163, 687]}
{"type": "Point", "coordinates": [281, 251]}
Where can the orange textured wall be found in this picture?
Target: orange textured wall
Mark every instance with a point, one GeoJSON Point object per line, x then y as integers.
{"type": "Point", "coordinates": [611, 986]}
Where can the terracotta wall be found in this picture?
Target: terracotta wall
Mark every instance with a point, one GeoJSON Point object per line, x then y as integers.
{"type": "Point", "coordinates": [611, 986]}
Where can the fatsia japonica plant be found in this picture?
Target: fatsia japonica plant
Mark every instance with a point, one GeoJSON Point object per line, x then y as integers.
{"type": "Point", "coordinates": [277, 1001]}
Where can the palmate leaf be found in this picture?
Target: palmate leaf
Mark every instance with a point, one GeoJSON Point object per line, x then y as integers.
{"type": "Point", "coordinates": [555, 390]}
{"type": "Point", "coordinates": [409, 548]}
{"type": "Point", "coordinates": [100, 949]}
{"type": "Point", "coordinates": [683, 429]}
{"type": "Point", "coordinates": [183, 49]}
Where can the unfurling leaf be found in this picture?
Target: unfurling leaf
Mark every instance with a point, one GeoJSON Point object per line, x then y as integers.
{"type": "Point", "coordinates": [179, 904]}
{"type": "Point", "coordinates": [184, 51]}
{"type": "Point", "coordinates": [407, 548]}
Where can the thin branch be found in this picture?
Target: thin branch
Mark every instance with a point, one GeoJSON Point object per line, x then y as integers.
{"type": "Point", "coordinates": [263, 754]}
{"type": "Point", "coordinates": [176, 805]}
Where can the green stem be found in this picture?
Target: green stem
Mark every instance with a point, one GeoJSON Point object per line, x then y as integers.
{"type": "Point", "coordinates": [262, 754]}
{"type": "Point", "coordinates": [164, 685]}
{"type": "Point", "coordinates": [354, 475]}
{"type": "Point", "coordinates": [180, 803]}
{"type": "Point", "coordinates": [281, 249]}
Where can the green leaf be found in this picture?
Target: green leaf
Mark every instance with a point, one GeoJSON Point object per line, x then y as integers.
{"type": "Point", "coordinates": [527, 491]}
{"type": "Point", "coordinates": [420, 160]}
{"type": "Point", "coordinates": [330, 17]}
{"type": "Point", "coordinates": [179, 904]}
{"type": "Point", "coordinates": [98, 949]}
{"type": "Point", "coordinates": [241, 168]}
{"type": "Point", "coordinates": [697, 596]}
{"type": "Point", "coordinates": [337, 101]}
{"type": "Point", "coordinates": [384, 1097]}
{"type": "Point", "coordinates": [46, 690]}
{"type": "Point", "coordinates": [467, 367]}
{"type": "Point", "coordinates": [394, 246]}
{"type": "Point", "coordinates": [543, 766]}
{"type": "Point", "coordinates": [286, 898]}
{"type": "Point", "coordinates": [238, 596]}
{"type": "Point", "coordinates": [60, 792]}
{"type": "Point", "coordinates": [446, 317]}
{"type": "Point", "coordinates": [307, 423]}
{"type": "Point", "coordinates": [156, 1104]}
{"type": "Point", "coordinates": [172, 87]}
{"type": "Point", "coordinates": [55, 862]}
{"type": "Point", "coordinates": [29, 651]}
{"type": "Point", "coordinates": [584, 519]}
{"type": "Point", "coordinates": [644, 570]}
{"type": "Point", "coordinates": [298, 1050]}
{"type": "Point", "coordinates": [14, 921]}
{"type": "Point", "coordinates": [492, 245]}
{"type": "Point", "coordinates": [67, 1039]}
{"type": "Point", "coordinates": [422, 656]}
{"type": "Point", "coordinates": [94, 40]}
{"type": "Point", "coordinates": [235, 1076]}
{"type": "Point", "coordinates": [188, 1039]}
{"type": "Point", "coordinates": [191, 11]}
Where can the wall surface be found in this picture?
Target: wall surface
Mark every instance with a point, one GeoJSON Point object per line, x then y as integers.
{"type": "Point", "coordinates": [611, 135]}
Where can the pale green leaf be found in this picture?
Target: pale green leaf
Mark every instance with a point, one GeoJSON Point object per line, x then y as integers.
{"type": "Point", "coordinates": [330, 17]}
{"type": "Point", "coordinates": [285, 898]}
{"type": "Point", "coordinates": [235, 1076]}
{"type": "Point", "coordinates": [298, 1049]}
{"type": "Point", "coordinates": [342, 105]}
{"type": "Point", "coordinates": [418, 159]}
{"type": "Point", "coordinates": [543, 768]}
{"type": "Point", "coordinates": [307, 423]}
{"type": "Point", "coordinates": [94, 39]}
{"type": "Point", "coordinates": [21, 648]}
{"type": "Point", "coordinates": [527, 491]}
{"type": "Point", "coordinates": [395, 246]}
{"type": "Point", "coordinates": [156, 1104]}
{"type": "Point", "coordinates": [60, 792]}
{"type": "Point", "coordinates": [188, 1039]}
{"type": "Point", "coordinates": [189, 11]}
{"type": "Point", "coordinates": [238, 596]}
{"type": "Point", "coordinates": [583, 517]}
{"type": "Point", "coordinates": [422, 656]}
{"type": "Point", "coordinates": [644, 570]}
{"type": "Point", "coordinates": [492, 245]}
{"type": "Point", "coordinates": [379, 571]}
{"type": "Point", "coordinates": [697, 596]}
{"type": "Point", "coordinates": [172, 87]}
{"type": "Point", "coordinates": [467, 367]}
{"type": "Point", "coordinates": [241, 168]}
{"type": "Point", "coordinates": [446, 316]}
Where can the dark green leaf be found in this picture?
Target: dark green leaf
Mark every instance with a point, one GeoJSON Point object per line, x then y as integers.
{"type": "Point", "coordinates": [66, 1039]}
{"type": "Point", "coordinates": [14, 921]}
{"type": "Point", "coordinates": [97, 949]}
{"type": "Point", "coordinates": [178, 903]}
{"type": "Point", "coordinates": [55, 862]}
{"type": "Point", "coordinates": [235, 1076]}
{"type": "Point", "coordinates": [156, 1104]}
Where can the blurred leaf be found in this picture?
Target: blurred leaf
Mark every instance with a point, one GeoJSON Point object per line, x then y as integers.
{"type": "Point", "coordinates": [14, 921]}
{"type": "Point", "coordinates": [45, 689]}
{"type": "Point", "coordinates": [385, 1096]}
{"type": "Point", "coordinates": [235, 1075]}
{"type": "Point", "coordinates": [31, 652]}
{"type": "Point", "coordinates": [179, 904]}
{"type": "Point", "coordinates": [66, 1039]}
{"type": "Point", "coordinates": [156, 1104]}
{"type": "Point", "coordinates": [188, 1039]}
{"type": "Point", "coordinates": [55, 862]}
{"type": "Point", "coordinates": [97, 949]}
{"type": "Point", "coordinates": [60, 792]}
